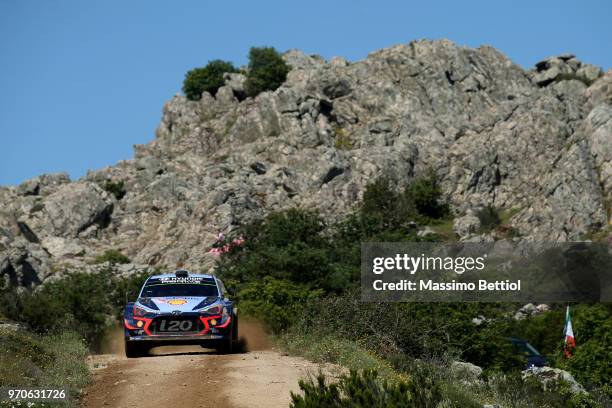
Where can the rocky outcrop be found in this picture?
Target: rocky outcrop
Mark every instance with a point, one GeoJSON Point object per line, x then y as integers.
{"type": "Point", "coordinates": [547, 375]}
{"type": "Point", "coordinates": [535, 142]}
{"type": "Point", "coordinates": [465, 372]}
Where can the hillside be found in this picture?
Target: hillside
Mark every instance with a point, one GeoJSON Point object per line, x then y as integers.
{"type": "Point", "coordinates": [536, 144]}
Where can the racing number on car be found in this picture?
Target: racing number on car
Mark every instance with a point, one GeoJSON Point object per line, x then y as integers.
{"type": "Point", "coordinates": [176, 325]}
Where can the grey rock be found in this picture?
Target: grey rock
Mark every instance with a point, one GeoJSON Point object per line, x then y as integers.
{"type": "Point", "coordinates": [259, 168]}
{"type": "Point", "coordinates": [548, 374]}
{"type": "Point", "coordinates": [530, 310]}
{"type": "Point", "coordinates": [425, 232]}
{"type": "Point", "coordinates": [338, 62]}
{"type": "Point", "coordinates": [62, 247]}
{"type": "Point", "coordinates": [298, 60]}
{"type": "Point", "coordinates": [465, 371]}
{"type": "Point", "coordinates": [466, 225]}
{"type": "Point", "coordinates": [236, 83]}
{"type": "Point", "coordinates": [72, 208]}
{"type": "Point", "coordinates": [589, 72]}
{"type": "Point", "coordinates": [11, 326]}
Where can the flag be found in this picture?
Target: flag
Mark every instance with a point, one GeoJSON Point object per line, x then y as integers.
{"type": "Point", "coordinates": [570, 341]}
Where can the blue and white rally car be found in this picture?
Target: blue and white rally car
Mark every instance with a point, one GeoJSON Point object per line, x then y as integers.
{"type": "Point", "coordinates": [180, 308]}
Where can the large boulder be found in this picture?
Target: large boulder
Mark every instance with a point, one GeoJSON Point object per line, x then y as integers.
{"type": "Point", "coordinates": [466, 372]}
{"type": "Point", "coordinates": [546, 375]}
{"type": "Point", "coordinates": [466, 225]}
{"type": "Point", "coordinates": [70, 210]}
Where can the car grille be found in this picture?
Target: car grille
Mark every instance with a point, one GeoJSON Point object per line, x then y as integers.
{"type": "Point", "coordinates": [176, 325]}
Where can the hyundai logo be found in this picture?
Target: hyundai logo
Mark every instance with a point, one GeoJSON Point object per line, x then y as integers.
{"type": "Point", "coordinates": [176, 312]}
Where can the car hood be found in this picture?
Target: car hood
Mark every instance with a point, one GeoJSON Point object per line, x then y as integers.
{"type": "Point", "coordinates": [176, 303]}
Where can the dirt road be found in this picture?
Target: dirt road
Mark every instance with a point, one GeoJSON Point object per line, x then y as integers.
{"type": "Point", "coordinates": [189, 376]}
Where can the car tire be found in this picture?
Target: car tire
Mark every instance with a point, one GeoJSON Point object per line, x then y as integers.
{"type": "Point", "coordinates": [135, 350]}
{"type": "Point", "coordinates": [226, 346]}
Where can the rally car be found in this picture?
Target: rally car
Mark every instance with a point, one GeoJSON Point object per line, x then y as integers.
{"type": "Point", "coordinates": [180, 308]}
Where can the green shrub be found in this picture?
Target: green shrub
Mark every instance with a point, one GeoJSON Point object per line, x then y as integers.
{"type": "Point", "coordinates": [287, 245]}
{"type": "Point", "coordinates": [267, 71]}
{"type": "Point", "coordinates": [343, 140]}
{"type": "Point", "coordinates": [590, 363]}
{"type": "Point", "coordinates": [35, 361]}
{"type": "Point", "coordinates": [275, 302]}
{"type": "Point", "coordinates": [89, 303]}
{"type": "Point", "coordinates": [515, 391]}
{"type": "Point", "coordinates": [207, 79]}
{"type": "Point", "coordinates": [365, 389]}
{"type": "Point", "coordinates": [112, 256]}
{"type": "Point", "coordinates": [489, 218]}
{"type": "Point", "coordinates": [116, 188]}
{"type": "Point", "coordinates": [426, 195]}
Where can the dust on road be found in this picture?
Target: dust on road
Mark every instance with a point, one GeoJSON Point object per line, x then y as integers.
{"type": "Point", "coordinates": [190, 376]}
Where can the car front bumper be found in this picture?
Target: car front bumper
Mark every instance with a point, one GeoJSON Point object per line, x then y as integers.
{"type": "Point", "coordinates": [176, 338]}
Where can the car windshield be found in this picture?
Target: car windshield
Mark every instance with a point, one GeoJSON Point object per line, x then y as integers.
{"type": "Point", "coordinates": [165, 287]}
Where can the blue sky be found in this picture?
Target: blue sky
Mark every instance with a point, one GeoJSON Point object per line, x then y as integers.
{"type": "Point", "coordinates": [81, 82]}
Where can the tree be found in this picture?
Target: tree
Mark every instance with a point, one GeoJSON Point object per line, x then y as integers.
{"type": "Point", "coordinates": [209, 79]}
{"type": "Point", "coordinates": [267, 70]}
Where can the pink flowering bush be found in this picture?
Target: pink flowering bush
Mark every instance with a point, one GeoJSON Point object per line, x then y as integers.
{"type": "Point", "coordinates": [223, 245]}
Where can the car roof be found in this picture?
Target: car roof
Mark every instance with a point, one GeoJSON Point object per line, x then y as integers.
{"type": "Point", "coordinates": [194, 275]}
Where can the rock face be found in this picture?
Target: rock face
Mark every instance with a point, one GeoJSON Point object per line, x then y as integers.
{"type": "Point", "coordinates": [535, 142]}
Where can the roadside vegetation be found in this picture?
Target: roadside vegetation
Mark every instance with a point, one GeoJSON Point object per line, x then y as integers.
{"type": "Point", "coordinates": [85, 303]}
{"type": "Point", "coordinates": [302, 275]}
{"type": "Point", "coordinates": [35, 361]}
{"type": "Point", "coordinates": [59, 323]}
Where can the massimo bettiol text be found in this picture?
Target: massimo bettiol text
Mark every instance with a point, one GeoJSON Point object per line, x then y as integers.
{"type": "Point", "coordinates": [493, 271]}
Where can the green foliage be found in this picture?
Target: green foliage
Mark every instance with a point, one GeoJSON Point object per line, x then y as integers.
{"type": "Point", "coordinates": [328, 347]}
{"type": "Point", "coordinates": [116, 188]}
{"type": "Point", "coordinates": [383, 209]}
{"type": "Point", "coordinates": [287, 245]}
{"type": "Point", "coordinates": [489, 218]}
{"type": "Point", "coordinates": [342, 140]}
{"type": "Point", "coordinates": [85, 302]}
{"type": "Point", "coordinates": [112, 256]}
{"type": "Point", "coordinates": [207, 79]}
{"type": "Point", "coordinates": [35, 361]}
{"type": "Point", "coordinates": [267, 71]}
{"type": "Point", "coordinates": [276, 302]}
{"type": "Point", "coordinates": [514, 390]}
{"type": "Point", "coordinates": [365, 389]}
{"type": "Point", "coordinates": [292, 252]}
{"type": "Point", "coordinates": [296, 246]}
{"type": "Point", "coordinates": [590, 363]}
{"type": "Point", "coordinates": [426, 195]}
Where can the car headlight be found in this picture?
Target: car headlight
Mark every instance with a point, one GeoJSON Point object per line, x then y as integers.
{"type": "Point", "coordinates": [213, 309]}
{"type": "Point", "coordinates": [140, 311]}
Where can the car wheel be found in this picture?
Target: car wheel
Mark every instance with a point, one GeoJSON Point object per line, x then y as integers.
{"type": "Point", "coordinates": [226, 346]}
{"type": "Point", "coordinates": [134, 350]}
